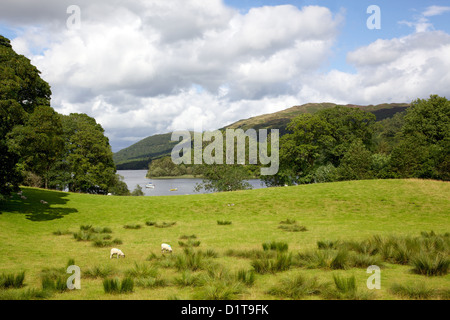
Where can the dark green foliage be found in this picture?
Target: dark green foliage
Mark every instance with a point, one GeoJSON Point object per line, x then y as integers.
{"type": "Point", "coordinates": [114, 286]}
{"type": "Point", "coordinates": [137, 191]}
{"type": "Point", "coordinates": [224, 177]}
{"type": "Point", "coordinates": [274, 245]}
{"type": "Point", "coordinates": [21, 91]}
{"type": "Point", "coordinates": [189, 243]}
{"type": "Point", "coordinates": [223, 222]}
{"type": "Point", "coordinates": [8, 281]}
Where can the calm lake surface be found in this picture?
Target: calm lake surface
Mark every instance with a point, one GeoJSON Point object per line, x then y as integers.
{"type": "Point", "coordinates": [163, 186]}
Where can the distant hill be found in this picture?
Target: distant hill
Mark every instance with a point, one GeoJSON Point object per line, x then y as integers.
{"type": "Point", "coordinates": [138, 155]}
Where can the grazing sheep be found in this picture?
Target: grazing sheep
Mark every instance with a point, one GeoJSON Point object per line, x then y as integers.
{"type": "Point", "coordinates": [118, 252]}
{"type": "Point", "coordinates": [44, 202]}
{"type": "Point", "coordinates": [23, 197]}
{"type": "Point", "coordinates": [19, 193]}
{"type": "Point", "coordinates": [166, 247]}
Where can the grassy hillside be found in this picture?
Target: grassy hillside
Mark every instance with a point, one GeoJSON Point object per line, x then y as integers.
{"type": "Point", "coordinates": [38, 239]}
{"type": "Point", "coordinates": [138, 155]}
{"type": "Point", "coordinates": [280, 119]}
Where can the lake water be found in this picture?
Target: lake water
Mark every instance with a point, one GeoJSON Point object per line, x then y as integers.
{"type": "Point", "coordinates": [163, 186]}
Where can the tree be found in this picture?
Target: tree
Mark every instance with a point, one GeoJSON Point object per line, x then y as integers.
{"type": "Point", "coordinates": [224, 177]}
{"type": "Point", "coordinates": [137, 191]}
{"type": "Point", "coordinates": [21, 91]}
{"type": "Point", "coordinates": [320, 139]}
{"type": "Point", "coordinates": [39, 142]}
{"type": "Point", "coordinates": [88, 155]}
{"type": "Point", "coordinates": [356, 163]}
{"type": "Point", "coordinates": [424, 149]}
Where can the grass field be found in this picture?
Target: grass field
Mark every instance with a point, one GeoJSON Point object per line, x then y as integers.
{"type": "Point", "coordinates": [217, 242]}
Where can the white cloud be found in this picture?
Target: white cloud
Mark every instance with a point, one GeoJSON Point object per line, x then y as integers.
{"type": "Point", "coordinates": [145, 67]}
{"type": "Point", "coordinates": [396, 70]}
{"type": "Point", "coordinates": [435, 10]}
{"type": "Point", "coordinates": [135, 64]}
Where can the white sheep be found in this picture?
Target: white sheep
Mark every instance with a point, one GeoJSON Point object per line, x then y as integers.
{"type": "Point", "coordinates": [166, 247]}
{"type": "Point", "coordinates": [118, 252]}
{"type": "Point", "coordinates": [44, 202]}
{"type": "Point", "coordinates": [23, 197]}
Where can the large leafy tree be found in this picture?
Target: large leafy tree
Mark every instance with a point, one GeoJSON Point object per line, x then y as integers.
{"type": "Point", "coordinates": [88, 156]}
{"type": "Point", "coordinates": [21, 91]}
{"type": "Point", "coordinates": [424, 150]}
{"type": "Point", "coordinates": [39, 142]}
{"type": "Point", "coordinates": [320, 139]}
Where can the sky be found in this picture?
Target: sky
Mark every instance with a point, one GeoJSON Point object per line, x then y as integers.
{"type": "Point", "coordinates": [142, 67]}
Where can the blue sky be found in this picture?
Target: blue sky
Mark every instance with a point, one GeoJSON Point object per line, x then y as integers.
{"type": "Point", "coordinates": [354, 32]}
{"type": "Point", "coordinates": [142, 67]}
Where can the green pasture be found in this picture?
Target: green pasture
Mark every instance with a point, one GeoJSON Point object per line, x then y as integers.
{"type": "Point", "coordinates": [36, 238]}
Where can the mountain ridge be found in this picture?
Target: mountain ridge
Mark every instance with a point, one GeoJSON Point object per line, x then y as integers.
{"type": "Point", "coordinates": [138, 155]}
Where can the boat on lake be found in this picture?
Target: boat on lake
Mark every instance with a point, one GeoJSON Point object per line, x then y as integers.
{"type": "Point", "coordinates": [150, 185]}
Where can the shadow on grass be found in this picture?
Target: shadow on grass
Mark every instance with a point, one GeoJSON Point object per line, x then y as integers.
{"type": "Point", "coordinates": [32, 207]}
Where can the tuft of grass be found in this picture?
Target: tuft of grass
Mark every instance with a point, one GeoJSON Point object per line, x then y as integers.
{"type": "Point", "coordinates": [327, 244]}
{"type": "Point", "coordinates": [132, 226]}
{"type": "Point", "coordinates": [186, 237]}
{"type": "Point", "coordinates": [165, 224]}
{"type": "Point", "coordinates": [346, 289]}
{"type": "Point", "coordinates": [29, 294]}
{"type": "Point", "coordinates": [187, 279]}
{"type": "Point", "coordinates": [418, 290]}
{"type": "Point", "coordinates": [189, 260]}
{"type": "Point", "coordinates": [430, 265]}
{"type": "Point", "coordinates": [127, 285]}
{"type": "Point", "coordinates": [288, 221]}
{"type": "Point", "coordinates": [223, 222]}
{"type": "Point", "coordinates": [293, 228]}
{"type": "Point", "coordinates": [111, 286]}
{"type": "Point", "coordinates": [98, 272]}
{"type": "Point", "coordinates": [247, 277]}
{"type": "Point", "coordinates": [61, 232]}
{"type": "Point", "coordinates": [52, 283]}
{"type": "Point", "coordinates": [297, 287]}
{"type": "Point", "coordinates": [114, 286]}
{"type": "Point", "coordinates": [189, 243]}
{"type": "Point", "coordinates": [142, 271]}
{"type": "Point", "coordinates": [12, 280]}
{"type": "Point", "coordinates": [150, 223]}
{"type": "Point", "coordinates": [282, 262]}
{"type": "Point", "coordinates": [277, 246]}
